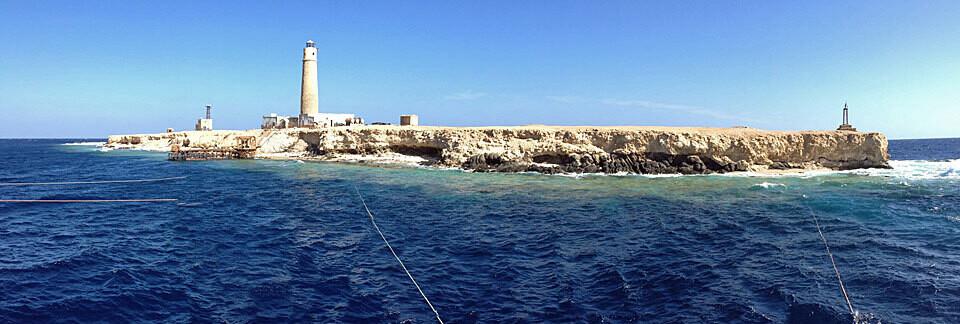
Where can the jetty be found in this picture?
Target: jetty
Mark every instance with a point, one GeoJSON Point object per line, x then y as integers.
{"type": "Point", "coordinates": [245, 148]}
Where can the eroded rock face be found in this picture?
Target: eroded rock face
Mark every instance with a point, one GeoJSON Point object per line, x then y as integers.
{"type": "Point", "coordinates": [647, 163]}
{"type": "Point", "coordinates": [647, 150]}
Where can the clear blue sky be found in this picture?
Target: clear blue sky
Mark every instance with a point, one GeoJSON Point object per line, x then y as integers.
{"type": "Point", "coordinates": [93, 68]}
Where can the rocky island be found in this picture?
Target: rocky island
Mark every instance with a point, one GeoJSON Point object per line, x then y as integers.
{"type": "Point", "coordinates": [549, 149]}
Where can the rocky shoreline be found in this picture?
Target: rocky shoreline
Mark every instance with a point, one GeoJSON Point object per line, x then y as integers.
{"type": "Point", "coordinates": [550, 150]}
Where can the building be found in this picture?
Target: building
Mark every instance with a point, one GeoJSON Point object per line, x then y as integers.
{"type": "Point", "coordinates": [329, 120]}
{"type": "Point", "coordinates": [309, 104]}
{"type": "Point", "coordinates": [310, 115]}
{"type": "Point", "coordinates": [274, 121]}
{"type": "Point", "coordinates": [845, 126]}
{"type": "Point", "coordinates": [409, 120]}
{"type": "Point", "coordinates": [205, 124]}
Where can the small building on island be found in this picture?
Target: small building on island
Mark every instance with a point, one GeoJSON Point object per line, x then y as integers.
{"type": "Point", "coordinates": [409, 120]}
{"type": "Point", "coordinates": [206, 123]}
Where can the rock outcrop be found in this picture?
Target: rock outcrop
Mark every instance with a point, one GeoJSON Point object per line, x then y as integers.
{"type": "Point", "coordinates": [646, 150]}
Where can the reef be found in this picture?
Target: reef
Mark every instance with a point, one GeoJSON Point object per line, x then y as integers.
{"type": "Point", "coordinates": [551, 149]}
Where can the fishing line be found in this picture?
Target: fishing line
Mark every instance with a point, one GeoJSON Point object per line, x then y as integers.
{"type": "Point", "coordinates": [87, 182]}
{"type": "Point", "coordinates": [65, 201]}
{"type": "Point", "coordinates": [374, 222]}
{"type": "Point", "coordinates": [836, 270]}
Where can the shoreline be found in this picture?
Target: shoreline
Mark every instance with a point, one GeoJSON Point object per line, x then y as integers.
{"type": "Point", "coordinates": [414, 162]}
{"type": "Point", "coordinates": [548, 149]}
{"type": "Point", "coordinates": [906, 169]}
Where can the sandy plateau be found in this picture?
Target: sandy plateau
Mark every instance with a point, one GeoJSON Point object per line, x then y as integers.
{"type": "Point", "coordinates": [551, 149]}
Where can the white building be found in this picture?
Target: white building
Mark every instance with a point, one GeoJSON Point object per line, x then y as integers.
{"type": "Point", "coordinates": [309, 113]}
{"type": "Point", "coordinates": [205, 124]}
{"type": "Point", "coordinates": [409, 120]}
{"type": "Point", "coordinates": [330, 120]}
{"type": "Point", "coordinates": [273, 121]}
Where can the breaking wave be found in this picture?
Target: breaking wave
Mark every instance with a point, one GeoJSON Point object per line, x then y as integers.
{"type": "Point", "coordinates": [85, 144]}
{"type": "Point", "coordinates": [915, 170]}
{"type": "Point", "coordinates": [905, 169]}
{"type": "Point", "coordinates": [767, 185]}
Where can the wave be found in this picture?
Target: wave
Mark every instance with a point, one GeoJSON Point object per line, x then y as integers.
{"type": "Point", "coordinates": [85, 144]}
{"type": "Point", "coordinates": [905, 169]}
{"type": "Point", "coordinates": [618, 174]}
{"type": "Point", "coordinates": [768, 185]}
{"type": "Point", "coordinates": [915, 170]}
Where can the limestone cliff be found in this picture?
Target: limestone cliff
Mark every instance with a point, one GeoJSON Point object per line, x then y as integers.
{"type": "Point", "coordinates": [556, 149]}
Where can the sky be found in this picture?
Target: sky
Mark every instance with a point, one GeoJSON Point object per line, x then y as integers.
{"type": "Point", "coordinates": [94, 68]}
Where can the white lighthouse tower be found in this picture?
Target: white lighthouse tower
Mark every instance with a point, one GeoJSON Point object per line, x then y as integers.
{"type": "Point", "coordinates": [310, 115]}
{"type": "Point", "coordinates": [308, 86]}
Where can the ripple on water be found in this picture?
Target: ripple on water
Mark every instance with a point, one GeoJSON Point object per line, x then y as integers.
{"type": "Point", "coordinates": [266, 241]}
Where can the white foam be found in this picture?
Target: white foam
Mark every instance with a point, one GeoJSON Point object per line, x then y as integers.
{"type": "Point", "coordinates": [386, 158]}
{"type": "Point", "coordinates": [915, 170]}
{"type": "Point", "coordinates": [767, 185]}
{"type": "Point", "coordinates": [618, 174]}
{"type": "Point", "coordinates": [85, 144]}
{"type": "Point", "coordinates": [753, 174]}
{"type": "Point", "coordinates": [545, 165]}
{"type": "Point", "coordinates": [135, 147]}
{"type": "Point", "coordinates": [903, 169]}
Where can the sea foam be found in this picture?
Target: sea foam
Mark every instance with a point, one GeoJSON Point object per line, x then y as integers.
{"type": "Point", "coordinates": [915, 170]}
{"type": "Point", "coordinates": [85, 144]}
{"type": "Point", "coordinates": [767, 185]}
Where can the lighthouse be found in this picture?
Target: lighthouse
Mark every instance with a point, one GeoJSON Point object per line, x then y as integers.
{"type": "Point", "coordinates": [310, 115]}
{"type": "Point", "coordinates": [308, 85]}
{"type": "Point", "coordinates": [845, 124]}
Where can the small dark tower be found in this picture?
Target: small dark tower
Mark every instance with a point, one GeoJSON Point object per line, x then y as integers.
{"type": "Point", "coordinates": [845, 126]}
{"type": "Point", "coordinates": [205, 124]}
{"type": "Point", "coordinates": [209, 106]}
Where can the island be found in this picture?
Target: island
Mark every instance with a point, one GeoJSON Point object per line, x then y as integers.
{"type": "Point", "coordinates": [543, 149]}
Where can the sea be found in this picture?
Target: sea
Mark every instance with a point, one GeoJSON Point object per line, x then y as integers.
{"type": "Point", "coordinates": [258, 241]}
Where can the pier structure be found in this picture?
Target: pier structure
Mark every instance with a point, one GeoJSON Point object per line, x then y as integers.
{"type": "Point", "coordinates": [245, 148]}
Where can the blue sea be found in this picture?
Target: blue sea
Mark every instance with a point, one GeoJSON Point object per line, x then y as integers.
{"type": "Point", "coordinates": [259, 241]}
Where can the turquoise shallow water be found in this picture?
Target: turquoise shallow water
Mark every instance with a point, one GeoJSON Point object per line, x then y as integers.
{"type": "Point", "coordinates": [261, 241]}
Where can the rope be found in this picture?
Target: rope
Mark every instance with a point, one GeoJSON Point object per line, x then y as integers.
{"type": "Point", "coordinates": [63, 201]}
{"type": "Point", "coordinates": [374, 222]}
{"type": "Point", "coordinates": [86, 182]}
{"type": "Point", "coordinates": [836, 270]}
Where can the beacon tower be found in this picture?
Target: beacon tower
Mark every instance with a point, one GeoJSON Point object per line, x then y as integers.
{"type": "Point", "coordinates": [308, 83]}
{"type": "Point", "coordinates": [845, 126]}
{"type": "Point", "coordinates": [310, 116]}
{"type": "Point", "coordinates": [206, 123]}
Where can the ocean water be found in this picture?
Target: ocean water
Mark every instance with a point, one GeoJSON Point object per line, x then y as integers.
{"type": "Point", "coordinates": [283, 241]}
